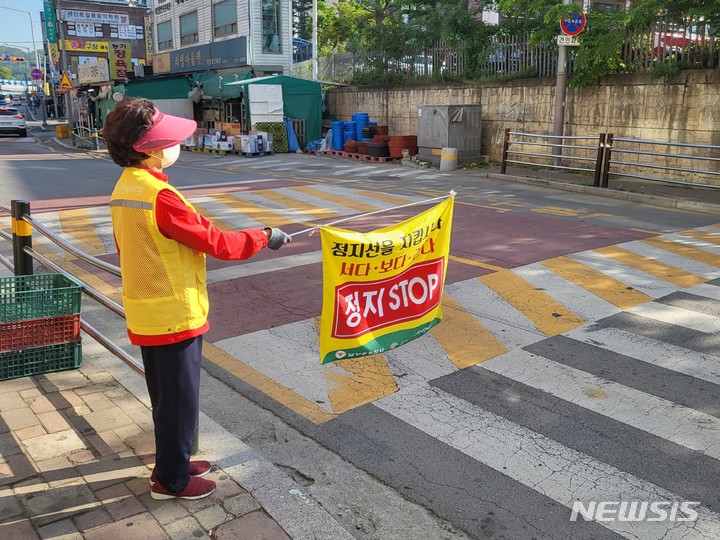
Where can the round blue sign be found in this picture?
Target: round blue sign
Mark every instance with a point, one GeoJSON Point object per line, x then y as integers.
{"type": "Point", "coordinates": [573, 25]}
{"type": "Point", "coordinates": [36, 74]}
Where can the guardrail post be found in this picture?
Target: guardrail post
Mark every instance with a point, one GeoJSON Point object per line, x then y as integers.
{"type": "Point", "coordinates": [95, 140]}
{"type": "Point", "coordinates": [506, 146]}
{"type": "Point", "coordinates": [599, 160]}
{"type": "Point", "coordinates": [22, 237]}
{"type": "Point", "coordinates": [606, 160]}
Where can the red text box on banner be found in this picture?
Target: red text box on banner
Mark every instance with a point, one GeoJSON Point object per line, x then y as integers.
{"type": "Point", "coordinates": [383, 288]}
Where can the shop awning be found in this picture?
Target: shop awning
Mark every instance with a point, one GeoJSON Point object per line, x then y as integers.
{"type": "Point", "coordinates": [215, 85]}
{"type": "Point", "coordinates": [164, 88]}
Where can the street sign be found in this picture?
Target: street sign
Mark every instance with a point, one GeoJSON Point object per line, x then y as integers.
{"type": "Point", "coordinates": [568, 41]}
{"type": "Point", "coordinates": [36, 74]}
{"type": "Point", "coordinates": [65, 81]}
{"type": "Point", "coordinates": [573, 25]}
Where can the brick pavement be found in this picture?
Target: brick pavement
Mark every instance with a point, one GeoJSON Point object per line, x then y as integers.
{"type": "Point", "coordinates": [76, 453]}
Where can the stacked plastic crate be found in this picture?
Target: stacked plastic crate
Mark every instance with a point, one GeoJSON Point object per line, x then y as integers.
{"type": "Point", "coordinates": [39, 324]}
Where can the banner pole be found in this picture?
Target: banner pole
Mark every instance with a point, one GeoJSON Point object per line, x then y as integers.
{"type": "Point", "coordinates": [316, 227]}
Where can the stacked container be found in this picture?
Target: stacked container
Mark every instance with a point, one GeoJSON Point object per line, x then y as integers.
{"type": "Point", "coordinates": [39, 324]}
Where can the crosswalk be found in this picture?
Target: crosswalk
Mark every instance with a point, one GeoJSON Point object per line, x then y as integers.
{"type": "Point", "coordinates": [592, 376]}
{"type": "Point", "coordinates": [328, 167]}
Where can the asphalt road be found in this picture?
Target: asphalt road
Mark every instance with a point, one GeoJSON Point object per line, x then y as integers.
{"type": "Point", "coordinates": [576, 361]}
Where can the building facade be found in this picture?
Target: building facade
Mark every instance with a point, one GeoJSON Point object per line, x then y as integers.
{"type": "Point", "coordinates": [222, 35]}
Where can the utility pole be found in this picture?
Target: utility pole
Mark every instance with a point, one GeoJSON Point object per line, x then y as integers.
{"type": "Point", "coordinates": [560, 90]}
{"type": "Point", "coordinates": [315, 42]}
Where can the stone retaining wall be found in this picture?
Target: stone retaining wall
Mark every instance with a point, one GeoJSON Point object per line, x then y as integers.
{"type": "Point", "coordinates": [685, 109]}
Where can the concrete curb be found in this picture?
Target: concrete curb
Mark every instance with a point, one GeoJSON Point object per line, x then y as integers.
{"type": "Point", "coordinates": [644, 198]}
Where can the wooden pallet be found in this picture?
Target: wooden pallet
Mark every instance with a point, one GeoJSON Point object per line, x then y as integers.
{"type": "Point", "coordinates": [255, 154]}
{"type": "Point", "coordinates": [359, 157]}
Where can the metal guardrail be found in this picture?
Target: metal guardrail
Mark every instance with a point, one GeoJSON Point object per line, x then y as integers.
{"type": "Point", "coordinates": [24, 255]}
{"type": "Point", "coordinates": [584, 156]}
{"type": "Point", "coordinates": [637, 149]}
{"type": "Point", "coordinates": [605, 158]}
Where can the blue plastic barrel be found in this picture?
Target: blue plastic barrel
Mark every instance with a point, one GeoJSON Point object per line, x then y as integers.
{"type": "Point", "coordinates": [338, 138]}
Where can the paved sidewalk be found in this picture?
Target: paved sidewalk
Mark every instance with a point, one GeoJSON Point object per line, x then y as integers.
{"type": "Point", "coordinates": [76, 453]}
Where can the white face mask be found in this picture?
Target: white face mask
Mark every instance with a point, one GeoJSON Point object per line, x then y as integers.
{"type": "Point", "coordinates": [170, 156]}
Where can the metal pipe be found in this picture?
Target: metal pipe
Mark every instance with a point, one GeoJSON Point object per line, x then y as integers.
{"type": "Point", "coordinates": [110, 346]}
{"type": "Point", "coordinates": [452, 194]}
{"type": "Point", "coordinates": [90, 291]}
{"type": "Point", "coordinates": [112, 269]}
{"type": "Point", "coordinates": [664, 168]}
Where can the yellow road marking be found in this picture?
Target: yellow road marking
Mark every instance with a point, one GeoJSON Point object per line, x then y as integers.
{"type": "Point", "coordinates": [384, 197]}
{"type": "Point", "coordinates": [476, 263]}
{"type": "Point", "coordinates": [643, 230]}
{"type": "Point", "coordinates": [684, 251]}
{"type": "Point", "coordinates": [212, 218]}
{"type": "Point", "coordinates": [370, 379]}
{"type": "Point", "coordinates": [266, 385]}
{"type": "Point", "coordinates": [318, 212]}
{"type": "Point", "coordinates": [548, 315]}
{"type": "Point", "coordinates": [465, 340]}
{"type": "Point", "coordinates": [588, 278]}
{"type": "Point", "coordinates": [674, 275]}
{"type": "Point", "coordinates": [337, 199]}
{"type": "Point", "coordinates": [78, 223]}
{"type": "Point", "coordinates": [713, 238]}
{"type": "Point", "coordinates": [267, 217]}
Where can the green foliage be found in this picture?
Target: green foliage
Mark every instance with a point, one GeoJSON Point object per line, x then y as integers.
{"type": "Point", "coordinates": [600, 51]}
{"type": "Point", "coordinates": [668, 70]}
{"type": "Point", "coordinates": [6, 73]}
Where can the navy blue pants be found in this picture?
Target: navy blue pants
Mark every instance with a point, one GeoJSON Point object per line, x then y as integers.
{"type": "Point", "coordinates": [172, 374]}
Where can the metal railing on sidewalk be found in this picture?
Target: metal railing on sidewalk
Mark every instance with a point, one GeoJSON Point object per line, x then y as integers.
{"type": "Point", "coordinates": [24, 255]}
{"type": "Point", "coordinates": [615, 156]}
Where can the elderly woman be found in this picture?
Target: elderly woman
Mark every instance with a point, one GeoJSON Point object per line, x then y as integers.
{"type": "Point", "coordinates": [162, 242]}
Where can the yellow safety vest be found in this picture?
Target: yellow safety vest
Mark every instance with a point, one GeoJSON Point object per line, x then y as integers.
{"type": "Point", "coordinates": [164, 282]}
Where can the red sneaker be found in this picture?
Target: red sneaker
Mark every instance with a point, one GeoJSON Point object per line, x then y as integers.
{"type": "Point", "coordinates": [197, 488]}
{"type": "Point", "coordinates": [197, 468]}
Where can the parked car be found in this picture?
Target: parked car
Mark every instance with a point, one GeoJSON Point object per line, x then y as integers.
{"type": "Point", "coordinates": [11, 121]}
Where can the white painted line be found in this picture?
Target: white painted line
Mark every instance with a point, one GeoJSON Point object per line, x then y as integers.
{"type": "Point", "coordinates": [500, 318]}
{"type": "Point", "coordinates": [538, 462]}
{"type": "Point", "coordinates": [227, 184]}
{"type": "Point", "coordinates": [682, 425]}
{"type": "Point", "coordinates": [353, 195]}
{"type": "Point", "coordinates": [318, 201]}
{"type": "Point", "coordinates": [689, 265]}
{"type": "Point", "coordinates": [652, 351]}
{"type": "Point", "coordinates": [288, 354]}
{"type": "Point", "coordinates": [261, 267]}
{"type": "Point", "coordinates": [352, 171]}
{"type": "Point", "coordinates": [706, 290]}
{"type": "Point", "coordinates": [578, 300]}
{"type": "Point", "coordinates": [227, 214]}
{"type": "Point", "coordinates": [678, 316]}
{"type": "Point", "coordinates": [637, 279]}
{"type": "Point", "coordinates": [693, 242]}
{"type": "Point", "coordinates": [274, 206]}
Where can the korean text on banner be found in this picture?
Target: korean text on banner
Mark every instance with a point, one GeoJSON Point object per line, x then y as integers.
{"type": "Point", "coordinates": [120, 62]}
{"type": "Point", "coordinates": [383, 288]}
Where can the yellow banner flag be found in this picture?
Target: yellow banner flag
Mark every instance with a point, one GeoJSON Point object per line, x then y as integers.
{"type": "Point", "coordinates": [383, 288]}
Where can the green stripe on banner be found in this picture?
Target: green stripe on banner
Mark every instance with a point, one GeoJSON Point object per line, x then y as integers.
{"type": "Point", "coordinates": [383, 343]}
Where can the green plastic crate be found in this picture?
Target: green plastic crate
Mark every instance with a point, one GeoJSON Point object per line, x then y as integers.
{"type": "Point", "coordinates": [38, 296]}
{"type": "Point", "coordinates": [37, 360]}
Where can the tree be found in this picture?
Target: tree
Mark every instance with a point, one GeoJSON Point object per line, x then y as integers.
{"type": "Point", "coordinates": [6, 73]}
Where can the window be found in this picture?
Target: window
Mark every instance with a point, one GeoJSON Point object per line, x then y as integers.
{"type": "Point", "coordinates": [271, 26]}
{"type": "Point", "coordinates": [189, 28]}
{"type": "Point", "coordinates": [164, 35]}
{"type": "Point", "coordinates": [225, 18]}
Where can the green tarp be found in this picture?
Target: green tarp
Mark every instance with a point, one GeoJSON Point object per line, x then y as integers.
{"type": "Point", "coordinates": [166, 88]}
{"type": "Point", "coordinates": [216, 85]}
{"type": "Point", "coordinates": [301, 99]}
